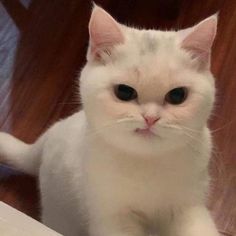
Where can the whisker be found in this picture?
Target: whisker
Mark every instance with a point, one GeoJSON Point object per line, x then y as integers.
{"type": "Point", "coordinates": [109, 125]}
{"type": "Point", "coordinates": [223, 127]}
{"type": "Point", "coordinates": [126, 119]}
{"type": "Point", "coordinates": [191, 130]}
{"type": "Point", "coordinates": [97, 131]}
{"type": "Point", "coordinates": [170, 126]}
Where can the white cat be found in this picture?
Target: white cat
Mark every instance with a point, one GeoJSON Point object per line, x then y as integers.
{"type": "Point", "coordinates": [134, 161]}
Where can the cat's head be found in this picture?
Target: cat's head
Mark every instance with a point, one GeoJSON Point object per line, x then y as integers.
{"type": "Point", "coordinates": [147, 90]}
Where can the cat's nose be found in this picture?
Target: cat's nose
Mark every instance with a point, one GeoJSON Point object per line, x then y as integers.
{"type": "Point", "coordinates": [151, 120]}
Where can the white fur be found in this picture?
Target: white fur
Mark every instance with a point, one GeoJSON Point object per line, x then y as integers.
{"type": "Point", "coordinates": [97, 176]}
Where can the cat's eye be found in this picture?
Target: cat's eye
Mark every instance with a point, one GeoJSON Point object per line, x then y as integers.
{"type": "Point", "coordinates": [125, 92]}
{"type": "Point", "coordinates": [176, 96]}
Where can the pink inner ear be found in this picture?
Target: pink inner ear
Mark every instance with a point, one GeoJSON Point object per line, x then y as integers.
{"type": "Point", "coordinates": [200, 38]}
{"type": "Point", "coordinates": [104, 30]}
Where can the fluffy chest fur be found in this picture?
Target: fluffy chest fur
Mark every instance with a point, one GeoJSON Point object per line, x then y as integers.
{"type": "Point", "coordinates": [144, 184]}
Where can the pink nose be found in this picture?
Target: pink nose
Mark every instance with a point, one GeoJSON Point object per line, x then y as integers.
{"type": "Point", "coordinates": [151, 120]}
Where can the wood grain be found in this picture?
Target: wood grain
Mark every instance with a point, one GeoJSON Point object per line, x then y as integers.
{"type": "Point", "coordinates": [42, 48]}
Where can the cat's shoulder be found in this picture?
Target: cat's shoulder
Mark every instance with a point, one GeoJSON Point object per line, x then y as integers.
{"type": "Point", "coordinates": [66, 127]}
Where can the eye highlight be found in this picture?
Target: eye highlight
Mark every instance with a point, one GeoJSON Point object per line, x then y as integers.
{"type": "Point", "coordinates": [125, 92]}
{"type": "Point", "coordinates": [176, 96]}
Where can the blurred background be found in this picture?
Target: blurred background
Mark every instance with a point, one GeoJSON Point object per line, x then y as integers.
{"type": "Point", "coordinates": [42, 49]}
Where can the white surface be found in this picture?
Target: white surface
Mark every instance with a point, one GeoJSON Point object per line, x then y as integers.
{"type": "Point", "coordinates": [15, 223]}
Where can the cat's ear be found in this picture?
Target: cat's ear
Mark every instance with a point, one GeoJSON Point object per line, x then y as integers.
{"type": "Point", "coordinates": [199, 39]}
{"type": "Point", "coordinates": [104, 33]}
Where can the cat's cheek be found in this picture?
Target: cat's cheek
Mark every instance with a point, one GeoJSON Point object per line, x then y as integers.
{"type": "Point", "coordinates": [113, 108]}
{"type": "Point", "coordinates": [181, 114]}
{"type": "Point", "coordinates": [194, 112]}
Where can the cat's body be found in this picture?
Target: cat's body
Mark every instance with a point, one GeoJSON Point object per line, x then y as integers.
{"type": "Point", "coordinates": [102, 171]}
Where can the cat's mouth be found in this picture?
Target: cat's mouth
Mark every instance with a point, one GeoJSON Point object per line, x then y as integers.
{"type": "Point", "coordinates": [146, 132]}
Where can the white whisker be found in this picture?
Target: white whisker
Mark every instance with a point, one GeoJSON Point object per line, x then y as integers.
{"type": "Point", "coordinates": [126, 119]}
{"type": "Point", "coordinates": [191, 130]}
{"type": "Point", "coordinates": [98, 131]}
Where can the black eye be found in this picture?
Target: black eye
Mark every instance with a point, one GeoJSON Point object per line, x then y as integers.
{"type": "Point", "coordinates": [125, 92]}
{"type": "Point", "coordinates": [176, 96]}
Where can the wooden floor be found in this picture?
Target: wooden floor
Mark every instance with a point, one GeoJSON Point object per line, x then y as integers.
{"type": "Point", "coordinates": [42, 48]}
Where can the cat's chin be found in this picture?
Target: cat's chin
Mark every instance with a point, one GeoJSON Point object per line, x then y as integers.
{"type": "Point", "coordinates": [139, 142]}
{"type": "Point", "coordinates": [145, 133]}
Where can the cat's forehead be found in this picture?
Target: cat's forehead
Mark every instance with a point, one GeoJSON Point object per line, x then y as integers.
{"type": "Point", "coordinates": [145, 47]}
{"type": "Point", "coordinates": [152, 41]}
{"type": "Point", "coordinates": [150, 59]}
{"type": "Point", "coordinates": [148, 42]}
